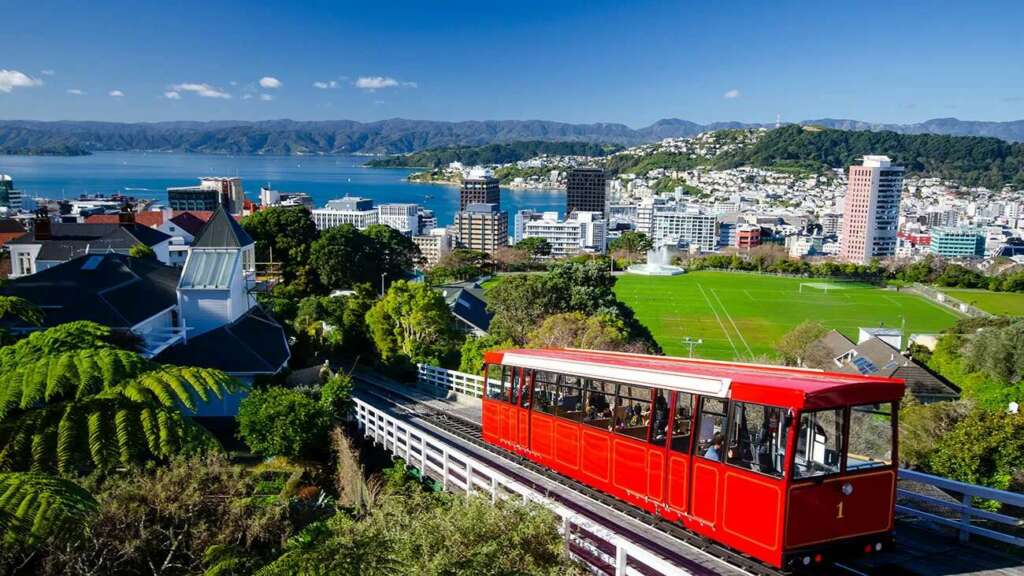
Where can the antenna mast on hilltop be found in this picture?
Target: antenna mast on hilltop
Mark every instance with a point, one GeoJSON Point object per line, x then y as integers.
{"type": "Point", "coordinates": [778, 120]}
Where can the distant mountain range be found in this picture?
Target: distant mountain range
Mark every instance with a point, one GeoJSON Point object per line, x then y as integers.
{"type": "Point", "coordinates": [394, 136]}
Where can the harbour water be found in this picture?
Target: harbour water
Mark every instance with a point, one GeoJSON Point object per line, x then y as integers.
{"type": "Point", "coordinates": [147, 175]}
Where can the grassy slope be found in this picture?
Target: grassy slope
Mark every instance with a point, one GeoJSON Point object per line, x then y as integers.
{"type": "Point", "coordinates": [753, 311]}
{"type": "Point", "coordinates": [1000, 303]}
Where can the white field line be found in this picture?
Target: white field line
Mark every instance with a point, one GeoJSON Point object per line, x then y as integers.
{"type": "Point", "coordinates": [733, 322]}
{"type": "Point", "coordinates": [720, 323]}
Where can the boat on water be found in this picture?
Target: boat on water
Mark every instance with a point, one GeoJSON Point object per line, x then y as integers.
{"type": "Point", "coordinates": [428, 197]}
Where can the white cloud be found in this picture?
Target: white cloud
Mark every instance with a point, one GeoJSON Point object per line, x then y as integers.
{"type": "Point", "coordinates": [375, 82]}
{"type": "Point", "coordinates": [204, 90]}
{"type": "Point", "coordinates": [410, 85]}
{"type": "Point", "coordinates": [731, 94]}
{"type": "Point", "coordinates": [47, 72]}
{"type": "Point", "coordinates": [76, 92]}
{"type": "Point", "coordinates": [266, 97]}
{"type": "Point", "coordinates": [247, 97]}
{"type": "Point", "coordinates": [270, 82]}
{"type": "Point", "coordinates": [172, 95]}
{"type": "Point", "coordinates": [325, 85]}
{"type": "Point", "coordinates": [11, 79]}
{"type": "Point", "coordinates": [115, 93]}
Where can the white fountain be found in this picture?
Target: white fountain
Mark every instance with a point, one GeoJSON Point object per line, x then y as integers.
{"type": "Point", "coordinates": [659, 263]}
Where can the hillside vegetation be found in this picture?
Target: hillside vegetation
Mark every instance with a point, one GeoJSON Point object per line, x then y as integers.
{"type": "Point", "coordinates": [493, 153]}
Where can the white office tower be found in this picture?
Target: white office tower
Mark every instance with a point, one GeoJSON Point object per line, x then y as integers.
{"type": "Point", "coordinates": [353, 210]}
{"type": "Point", "coordinates": [401, 217]}
{"type": "Point", "coordinates": [580, 232]}
{"type": "Point", "coordinates": [677, 225]}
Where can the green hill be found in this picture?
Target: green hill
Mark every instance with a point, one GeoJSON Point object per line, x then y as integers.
{"type": "Point", "coordinates": [493, 154]}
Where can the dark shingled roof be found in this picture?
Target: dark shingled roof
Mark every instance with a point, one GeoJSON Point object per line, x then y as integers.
{"type": "Point", "coordinates": [10, 226]}
{"type": "Point", "coordinates": [112, 289]}
{"type": "Point", "coordinates": [253, 344]}
{"type": "Point", "coordinates": [189, 222]}
{"type": "Point", "coordinates": [222, 231]}
{"type": "Point", "coordinates": [466, 301]}
{"type": "Point", "coordinates": [68, 240]}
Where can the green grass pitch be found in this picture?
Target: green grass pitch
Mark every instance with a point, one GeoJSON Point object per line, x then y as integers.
{"type": "Point", "coordinates": [740, 316]}
{"type": "Point", "coordinates": [999, 303]}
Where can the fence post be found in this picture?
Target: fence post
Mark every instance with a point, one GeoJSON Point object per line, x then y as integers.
{"type": "Point", "coordinates": [965, 517]}
{"type": "Point", "coordinates": [620, 560]}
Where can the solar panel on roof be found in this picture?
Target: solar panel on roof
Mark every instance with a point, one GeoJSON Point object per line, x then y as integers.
{"type": "Point", "coordinates": [92, 262]}
{"type": "Point", "coordinates": [864, 366]}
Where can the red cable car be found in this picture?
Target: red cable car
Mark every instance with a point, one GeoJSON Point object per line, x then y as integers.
{"type": "Point", "coordinates": [793, 467]}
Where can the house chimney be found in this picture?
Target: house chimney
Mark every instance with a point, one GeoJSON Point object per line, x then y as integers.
{"type": "Point", "coordinates": [125, 216]}
{"type": "Point", "coordinates": [42, 228]}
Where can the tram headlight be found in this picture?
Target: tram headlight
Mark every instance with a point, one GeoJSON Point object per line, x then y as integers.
{"type": "Point", "coordinates": [847, 489]}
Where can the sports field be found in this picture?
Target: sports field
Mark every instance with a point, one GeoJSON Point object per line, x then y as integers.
{"type": "Point", "coordinates": [999, 303]}
{"type": "Point", "coordinates": [740, 315]}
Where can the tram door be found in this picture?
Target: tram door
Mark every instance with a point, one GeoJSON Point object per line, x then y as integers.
{"type": "Point", "coordinates": [707, 471]}
{"type": "Point", "coordinates": [679, 459]}
{"type": "Point", "coordinates": [522, 399]}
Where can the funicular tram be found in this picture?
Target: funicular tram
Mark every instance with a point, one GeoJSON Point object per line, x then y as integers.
{"type": "Point", "coordinates": [793, 467]}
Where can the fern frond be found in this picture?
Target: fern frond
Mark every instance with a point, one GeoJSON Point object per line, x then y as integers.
{"type": "Point", "coordinates": [35, 506]}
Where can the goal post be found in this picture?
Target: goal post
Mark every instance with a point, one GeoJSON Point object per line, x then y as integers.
{"type": "Point", "coordinates": [816, 286]}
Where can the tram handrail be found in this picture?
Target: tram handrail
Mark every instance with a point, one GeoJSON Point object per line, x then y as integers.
{"type": "Point", "coordinates": [455, 468]}
{"type": "Point", "coordinates": [966, 513]}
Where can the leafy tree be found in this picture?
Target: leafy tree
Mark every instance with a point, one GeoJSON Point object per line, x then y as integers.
{"type": "Point", "coordinates": [394, 253]}
{"type": "Point", "coordinates": [142, 251]}
{"type": "Point", "coordinates": [535, 246]}
{"type": "Point", "coordinates": [799, 345]}
{"type": "Point", "coordinates": [281, 422]}
{"type": "Point", "coordinates": [582, 286]}
{"type": "Point", "coordinates": [71, 408]}
{"type": "Point", "coordinates": [412, 323]}
{"type": "Point", "coordinates": [336, 396]}
{"type": "Point", "coordinates": [287, 234]}
{"type": "Point", "coordinates": [343, 257]}
{"type": "Point", "coordinates": [575, 330]}
{"type": "Point", "coordinates": [922, 426]}
{"type": "Point", "coordinates": [984, 448]}
{"type": "Point", "coordinates": [471, 357]}
{"type": "Point", "coordinates": [333, 325]}
{"type": "Point", "coordinates": [631, 244]}
{"type": "Point", "coordinates": [460, 265]}
{"type": "Point", "coordinates": [518, 303]}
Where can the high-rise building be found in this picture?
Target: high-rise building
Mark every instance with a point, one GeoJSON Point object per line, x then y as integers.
{"type": "Point", "coordinates": [434, 245]}
{"type": "Point", "coordinates": [580, 232]}
{"type": "Point", "coordinates": [402, 217]}
{"type": "Point", "coordinates": [10, 198]}
{"type": "Point", "coordinates": [480, 187]}
{"type": "Point", "coordinates": [208, 195]}
{"type": "Point", "coordinates": [427, 221]}
{"type": "Point", "coordinates": [681, 225]}
{"type": "Point", "coordinates": [957, 242]}
{"type": "Point", "coordinates": [482, 227]}
{"type": "Point", "coordinates": [353, 210]}
{"type": "Point", "coordinates": [871, 212]}
{"type": "Point", "coordinates": [585, 191]}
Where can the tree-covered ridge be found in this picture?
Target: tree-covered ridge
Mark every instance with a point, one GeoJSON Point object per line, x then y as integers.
{"type": "Point", "coordinates": [969, 160]}
{"type": "Point", "coordinates": [493, 153]}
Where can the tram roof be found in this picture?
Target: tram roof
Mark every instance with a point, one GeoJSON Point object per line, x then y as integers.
{"type": "Point", "coordinates": [760, 383]}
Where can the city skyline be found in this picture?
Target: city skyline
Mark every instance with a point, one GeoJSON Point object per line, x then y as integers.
{"type": "Point", "coordinates": [569, 62]}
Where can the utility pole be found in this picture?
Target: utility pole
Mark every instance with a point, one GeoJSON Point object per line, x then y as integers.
{"type": "Point", "coordinates": [690, 342]}
{"type": "Point", "coordinates": [382, 276]}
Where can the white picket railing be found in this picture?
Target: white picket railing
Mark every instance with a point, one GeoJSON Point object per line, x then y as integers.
{"type": "Point", "coordinates": [962, 515]}
{"type": "Point", "coordinates": [451, 380]}
{"type": "Point", "coordinates": [594, 545]}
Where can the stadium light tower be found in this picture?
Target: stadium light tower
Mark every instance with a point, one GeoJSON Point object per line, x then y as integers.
{"type": "Point", "coordinates": [690, 343]}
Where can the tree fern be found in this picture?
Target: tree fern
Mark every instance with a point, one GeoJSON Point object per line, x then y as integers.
{"type": "Point", "coordinates": [35, 506]}
{"type": "Point", "coordinates": [64, 338]}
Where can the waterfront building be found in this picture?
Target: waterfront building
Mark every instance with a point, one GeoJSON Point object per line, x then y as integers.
{"type": "Point", "coordinates": [520, 220]}
{"type": "Point", "coordinates": [275, 198]}
{"type": "Point", "coordinates": [479, 187]}
{"type": "Point", "coordinates": [482, 227]}
{"type": "Point", "coordinates": [10, 197]}
{"type": "Point", "coordinates": [427, 221]}
{"type": "Point", "coordinates": [434, 245]}
{"type": "Point", "coordinates": [208, 195]}
{"type": "Point", "coordinates": [957, 242]}
{"type": "Point", "coordinates": [871, 211]}
{"type": "Point", "coordinates": [585, 191]}
{"type": "Point", "coordinates": [353, 210]}
{"type": "Point", "coordinates": [402, 217]}
{"type": "Point", "coordinates": [580, 232]}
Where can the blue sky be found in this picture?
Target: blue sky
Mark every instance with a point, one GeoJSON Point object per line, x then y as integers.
{"type": "Point", "coordinates": [629, 62]}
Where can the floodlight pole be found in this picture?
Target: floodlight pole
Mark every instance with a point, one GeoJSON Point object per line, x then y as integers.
{"type": "Point", "coordinates": [690, 342]}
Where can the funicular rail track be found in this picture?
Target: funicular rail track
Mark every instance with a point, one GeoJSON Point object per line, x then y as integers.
{"type": "Point", "coordinates": [470, 432]}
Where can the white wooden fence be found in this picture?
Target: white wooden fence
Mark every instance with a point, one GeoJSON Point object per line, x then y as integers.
{"type": "Point", "coordinates": [451, 380]}
{"type": "Point", "coordinates": [592, 544]}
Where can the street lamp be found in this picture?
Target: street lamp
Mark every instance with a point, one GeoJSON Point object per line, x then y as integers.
{"type": "Point", "coordinates": [690, 342]}
{"type": "Point", "coordinates": [382, 276]}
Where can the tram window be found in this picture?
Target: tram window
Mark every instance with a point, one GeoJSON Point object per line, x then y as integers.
{"type": "Point", "coordinates": [659, 417]}
{"type": "Point", "coordinates": [819, 443]}
{"type": "Point", "coordinates": [598, 401]}
{"type": "Point", "coordinates": [757, 438]}
{"type": "Point", "coordinates": [711, 441]}
{"type": "Point", "coordinates": [570, 398]}
{"type": "Point", "coordinates": [870, 443]}
{"type": "Point", "coordinates": [518, 385]}
{"type": "Point", "coordinates": [545, 391]}
{"type": "Point", "coordinates": [631, 412]}
{"type": "Point", "coordinates": [682, 424]}
{"type": "Point", "coordinates": [497, 388]}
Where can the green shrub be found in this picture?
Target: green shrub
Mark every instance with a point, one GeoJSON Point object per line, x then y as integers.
{"type": "Point", "coordinates": [282, 422]}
